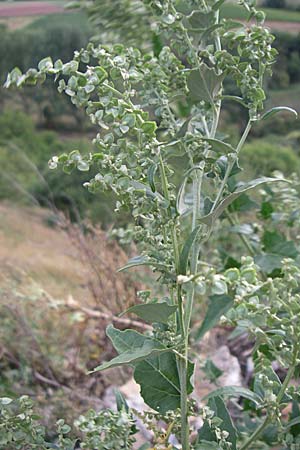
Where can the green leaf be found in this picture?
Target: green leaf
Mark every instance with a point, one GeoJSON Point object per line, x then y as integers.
{"type": "Point", "coordinates": [200, 20]}
{"type": "Point", "coordinates": [149, 128]}
{"type": "Point", "coordinates": [207, 445]}
{"type": "Point", "coordinates": [266, 210]}
{"type": "Point", "coordinates": [219, 146]}
{"type": "Point", "coordinates": [209, 219]}
{"type": "Point", "coordinates": [159, 380]}
{"type": "Point", "coordinates": [5, 400]}
{"type": "Point", "coordinates": [151, 175]}
{"type": "Point", "coordinates": [131, 346]}
{"type": "Point", "coordinates": [184, 255]}
{"type": "Point", "coordinates": [235, 98]}
{"type": "Point", "coordinates": [218, 4]}
{"type": "Point", "coordinates": [181, 206]}
{"type": "Point", "coordinates": [135, 262]}
{"type": "Point", "coordinates": [267, 262]}
{"type": "Point", "coordinates": [204, 83]}
{"type": "Point", "coordinates": [140, 260]}
{"type": "Point", "coordinates": [153, 312]}
{"type": "Point", "coordinates": [45, 64]}
{"type": "Point", "coordinates": [277, 244]}
{"type": "Point", "coordinates": [292, 423]}
{"type": "Point", "coordinates": [217, 405]}
{"type": "Point", "coordinates": [235, 391]}
{"type": "Point", "coordinates": [277, 110]}
{"type": "Point", "coordinates": [121, 402]}
{"type": "Point", "coordinates": [218, 305]}
{"type": "Point", "coordinates": [211, 371]}
{"type": "Point", "coordinates": [137, 185]}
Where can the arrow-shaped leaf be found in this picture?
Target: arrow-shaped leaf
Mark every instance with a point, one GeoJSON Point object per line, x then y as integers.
{"type": "Point", "coordinates": [210, 218]}
{"type": "Point", "coordinates": [131, 346]}
{"type": "Point", "coordinates": [219, 146]}
{"type": "Point", "coordinates": [218, 306]}
{"type": "Point", "coordinates": [204, 83]}
{"type": "Point", "coordinates": [159, 380]}
{"type": "Point", "coordinates": [276, 110]}
{"type": "Point", "coordinates": [153, 312]}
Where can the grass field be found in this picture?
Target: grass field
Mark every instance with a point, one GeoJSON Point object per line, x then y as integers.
{"type": "Point", "coordinates": [234, 11]}
{"type": "Point", "coordinates": [70, 18]}
{"type": "Point", "coordinates": [289, 97]}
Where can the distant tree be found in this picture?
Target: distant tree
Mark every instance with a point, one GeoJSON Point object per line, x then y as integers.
{"type": "Point", "coordinates": [275, 3]}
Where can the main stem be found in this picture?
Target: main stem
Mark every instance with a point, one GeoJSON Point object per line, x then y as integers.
{"type": "Point", "coordinates": [182, 363]}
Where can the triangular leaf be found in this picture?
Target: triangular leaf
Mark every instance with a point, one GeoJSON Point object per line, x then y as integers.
{"type": "Point", "coordinates": [153, 312]}
{"type": "Point", "coordinates": [218, 306]}
{"type": "Point", "coordinates": [204, 83]}
{"type": "Point", "coordinates": [200, 20]}
{"type": "Point", "coordinates": [159, 381]}
{"type": "Point", "coordinates": [131, 346]}
{"type": "Point", "coordinates": [209, 219]}
{"type": "Point", "coordinates": [277, 244]}
{"type": "Point", "coordinates": [268, 262]}
{"type": "Point", "coordinates": [219, 146]}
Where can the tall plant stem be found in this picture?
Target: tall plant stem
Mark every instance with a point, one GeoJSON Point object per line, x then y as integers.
{"type": "Point", "coordinates": [182, 363]}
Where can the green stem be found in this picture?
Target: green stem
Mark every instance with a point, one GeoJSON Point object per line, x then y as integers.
{"type": "Point", "coordinates": [287, 379]}
{"type": "Point", "coordinates": [166, 194]}
{"type": "Point", "coordinates": [182, 364]}
{"type": "Point", "coordinates": [280, 396]}
{"type": "Point", "coordinates": [256, 434]}
{"type": "Point", "coordinates": [231, 164]}
{"type": "Point", "coordinates": [241, 236]}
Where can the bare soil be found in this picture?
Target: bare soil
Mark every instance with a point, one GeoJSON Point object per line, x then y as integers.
{"type": "Point", "coordinates": [29, 9]}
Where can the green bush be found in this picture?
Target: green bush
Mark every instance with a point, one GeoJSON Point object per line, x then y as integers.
{"type": "Point", "coordinates": [25, 176]}
{"type": "Point", "coordinates": [264, 157]}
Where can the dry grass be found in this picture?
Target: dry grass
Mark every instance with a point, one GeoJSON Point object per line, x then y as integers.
{"type": "Point", "coordinates": [44, 254]}
{"type": "Point", "coordinates": [58, 290]}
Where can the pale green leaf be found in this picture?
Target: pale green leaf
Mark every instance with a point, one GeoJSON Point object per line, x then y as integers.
{"type": "Point", "coordinates": [204, 84]}
{"type": "Point", "coordinates": [184, 255]}
{"type": "Point", "coordinates": [219, 146]}
{"type": "Point", "coordinates": [210, 218]}
{"type": "Point", "coordinates": [218, 306]}
{"type": "Point", "coordinates": [234, 391]}
{"type": "Point", "coordinates": [153, 312]}
{"type": "Point", "coordinates": [205, 434]}
{"type": "Point", "coordinates": [276, 110]}
{"type": "Point", "coordinates": [131, 346]}
{"type": "Point", "coordinates": [135, 262]}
